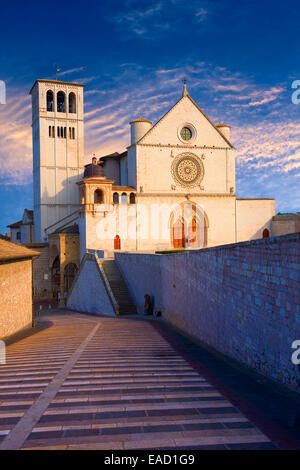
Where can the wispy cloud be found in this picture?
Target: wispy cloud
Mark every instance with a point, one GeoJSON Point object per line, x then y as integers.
{"type": "Point", "coordinates": [136, 21]}
{"type": "Point", "coordinates": [267, 96]}
{"type": "Point", "coordinates": [275, 146]}
{"type": "Point", "coordinates": [265, 131]}
{"type": "Point", "coordinates": [201, 15]}
{"type": "Point", "coordinates": [159, 18]}
{"type": "Point", "coordinates": [86, 80]}
{"type": "Point", "coordinates": [15, 138]}
{"type": "Point", "coordinates": [70, 71]}
{"type": "Point", "coordinates": [228, 87]}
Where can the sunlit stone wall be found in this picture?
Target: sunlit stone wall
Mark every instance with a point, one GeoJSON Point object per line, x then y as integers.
{"type": "Point", "coordinates": [241, 299]}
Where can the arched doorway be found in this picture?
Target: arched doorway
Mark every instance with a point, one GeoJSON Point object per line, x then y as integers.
{"type": "Point", "coordinates": [69, 275]}
{"type": "Point", "coordinates": [55, 277]}
{"type": "Point", "coordinates": [117, 242]}
{"type": "Point", "coordinates": [188, 226]}
{"type": "Point", "coordinates": [266, 233]}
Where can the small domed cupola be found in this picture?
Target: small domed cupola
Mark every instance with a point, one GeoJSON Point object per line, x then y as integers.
{"type": "Point", "coordinates": [94, 169]}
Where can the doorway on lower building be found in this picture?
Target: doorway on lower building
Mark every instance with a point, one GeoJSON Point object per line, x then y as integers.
{"type": "Point", "coordinates": [117, 242]}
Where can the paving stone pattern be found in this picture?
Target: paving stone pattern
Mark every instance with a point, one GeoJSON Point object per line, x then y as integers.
{"type": "Point", "coordinates": [127, 389]}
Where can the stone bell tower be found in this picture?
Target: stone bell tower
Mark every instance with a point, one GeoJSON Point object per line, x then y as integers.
{"type": "Point", "coordinates": [58, 151]}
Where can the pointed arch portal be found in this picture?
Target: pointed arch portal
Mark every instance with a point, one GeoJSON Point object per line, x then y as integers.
{"type": "Point", "coordinates": [188, 226]}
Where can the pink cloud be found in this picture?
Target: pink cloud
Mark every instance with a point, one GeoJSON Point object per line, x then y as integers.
{"type": "Point", "coordinates": [15, 138]}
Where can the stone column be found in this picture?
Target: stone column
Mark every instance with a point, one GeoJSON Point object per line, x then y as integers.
{"type": "Point", "coordinates": [62, 247]}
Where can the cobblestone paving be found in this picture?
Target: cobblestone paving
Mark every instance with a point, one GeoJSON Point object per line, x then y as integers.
{"type": "Point", "coordinates": [111, 383]}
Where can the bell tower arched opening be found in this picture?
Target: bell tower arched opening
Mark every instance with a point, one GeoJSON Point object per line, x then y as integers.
{"type": "Point", "coordinates": [72, 103]}
{"type": "Point", "coordinates": [98, 197]}
{"type": "Point", "coordinates": [61, 102]}
{"type": "Point", "coordinates": [49, 98]}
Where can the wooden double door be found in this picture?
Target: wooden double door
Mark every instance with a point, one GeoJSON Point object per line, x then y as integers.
{"type": "Point", "coordinates": [182, 239]}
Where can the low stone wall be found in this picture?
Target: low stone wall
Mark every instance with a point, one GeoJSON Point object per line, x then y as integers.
{"type": "Point", "coordinates": [142, 272]}
{"type": "Point", "coordinates": [242, 299]}
{"type": "Point", "coordinates": [88, 293]}
{"type": "Point", "coordinates": [16, 297]}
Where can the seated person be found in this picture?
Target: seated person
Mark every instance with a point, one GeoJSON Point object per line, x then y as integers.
{"type": "Point", "coordinates": [148, 307]}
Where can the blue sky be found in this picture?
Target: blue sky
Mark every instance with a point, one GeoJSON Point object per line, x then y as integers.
{"type": "Point", "coordinates": [240, 59]}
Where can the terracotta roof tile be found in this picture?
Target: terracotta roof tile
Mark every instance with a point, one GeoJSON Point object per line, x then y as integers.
{"type": "Point", "coordinates": [123, 188]}
{"type": "Point", "coordinates": [10, 251]}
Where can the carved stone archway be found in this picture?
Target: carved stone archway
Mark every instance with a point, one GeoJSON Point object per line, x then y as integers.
{"type": "Point", "coordinates": [188, 226]}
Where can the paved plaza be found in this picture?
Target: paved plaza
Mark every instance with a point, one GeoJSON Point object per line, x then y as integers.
{"type": "Point", "coordinates": [87, 382]}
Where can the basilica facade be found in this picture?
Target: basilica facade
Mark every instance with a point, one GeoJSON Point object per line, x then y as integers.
{"type": "Point", "coordinates": [172, 189]}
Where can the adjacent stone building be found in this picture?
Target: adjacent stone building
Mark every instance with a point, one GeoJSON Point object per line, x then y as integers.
{"type": "Point", "coordinates": [283, 224]}
{"type": "Point", "coordinates": [16, 312]}
{"type": "Point", "coordinates": [23, 230]}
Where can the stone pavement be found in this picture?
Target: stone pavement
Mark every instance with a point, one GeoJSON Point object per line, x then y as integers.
{"type": "Point", "coordinates": [91, 382]}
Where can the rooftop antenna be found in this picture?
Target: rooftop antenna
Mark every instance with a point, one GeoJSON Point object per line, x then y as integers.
{"type": "Point", "coordinates": [184, 93]}
{"type": "Point", "coordinates": [57, 69]}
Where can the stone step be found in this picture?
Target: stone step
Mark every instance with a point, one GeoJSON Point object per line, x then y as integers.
{"type": "Point", "coordinates": [119, 287]}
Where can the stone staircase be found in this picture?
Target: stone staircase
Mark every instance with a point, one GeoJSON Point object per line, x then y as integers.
{"type": "Point", "coordinates": [119, 289]}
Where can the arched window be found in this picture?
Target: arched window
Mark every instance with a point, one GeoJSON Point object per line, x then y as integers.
{"type": "Point", "coordinates": [73, 132]}
{"type": "Point", "coordinates": [116, 198]}
{"type": "Point", "coordinates": [53, 131]}
{"type": "Point", "coordinates": [117, 242]}
{"type": "Point", "coordinates": [124, 198]}
{"type": "Point", "coordinates": [50, 131]}
{"type": "Point", "coordinates": [49, 100]}
{"type": "Point", "coordinates": [132, 198]}
{"type": "Point", "coordinates": [61, 131]}
{"type": "Point", "coordinates": [58, 132]}
{"type": "Point", "coordinates": [61, 102]}
{"type": "Point", "coordinates": [266, 233]}
{"type": "Point", "coordinates": [65, 132]}
{"type": "Point", "coordinates": [98, 197]}
{"type": "Point", "coordinates": [72, 103]}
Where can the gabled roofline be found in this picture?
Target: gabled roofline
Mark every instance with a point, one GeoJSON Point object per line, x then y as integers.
{"type": "Point", "coordinates": [199, 109]}
{"type": "Point", "coordinates": [15, 224]}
